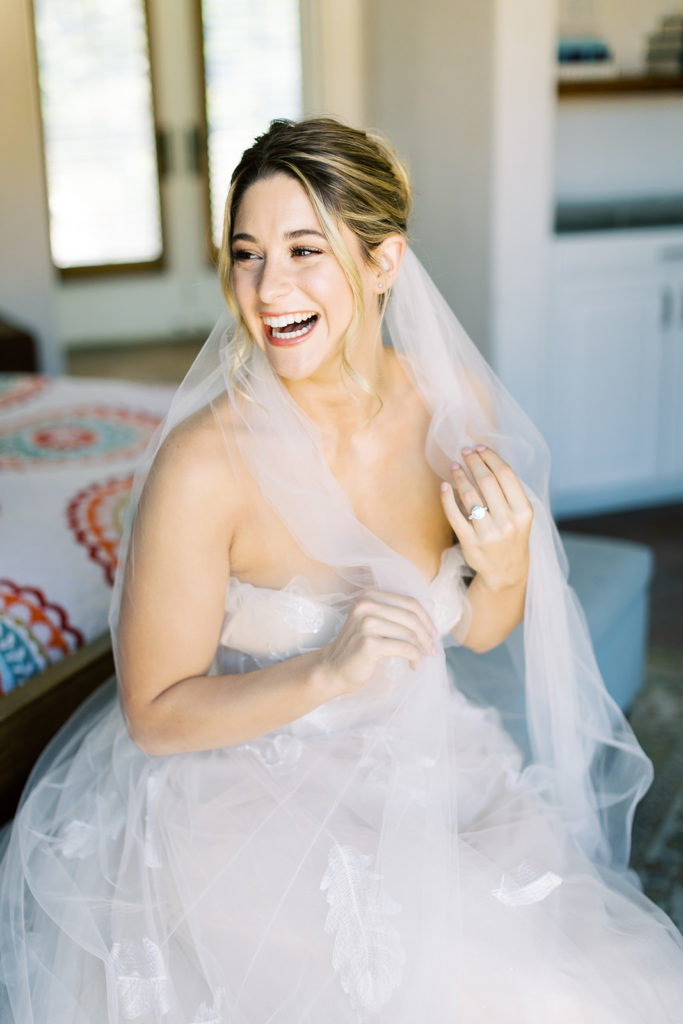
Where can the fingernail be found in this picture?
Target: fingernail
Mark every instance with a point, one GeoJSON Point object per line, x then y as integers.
{"type": "Point", "coordinates": [467, 451]}
{"type": "Point", "coordinates": [454, 466]}
{"type": "Point", "coordinates": [444, 487]}
{"type": "Point", "coordinates": [480, 448]}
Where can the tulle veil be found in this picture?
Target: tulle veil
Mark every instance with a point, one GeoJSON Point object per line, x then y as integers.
{"type": "Point", "coordinates": [544, 679]}
{"type": "Point", "coordinates": [373, 804]}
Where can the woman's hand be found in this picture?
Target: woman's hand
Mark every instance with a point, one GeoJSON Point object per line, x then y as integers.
{"type": "Point", "coordinates": [497, 545]}
{"type": "Point", "coordinates": [380, 625]}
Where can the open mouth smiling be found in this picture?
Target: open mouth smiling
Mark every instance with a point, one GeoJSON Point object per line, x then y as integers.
{"type": "Point", "coordinates": [289, 328]}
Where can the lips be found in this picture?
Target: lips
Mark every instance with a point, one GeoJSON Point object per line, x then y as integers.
{"type": "Point", "coordinates": [289, 328]}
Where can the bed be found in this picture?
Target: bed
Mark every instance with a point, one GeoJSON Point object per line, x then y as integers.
{"type": "Point", "coordinates": [68, 450]}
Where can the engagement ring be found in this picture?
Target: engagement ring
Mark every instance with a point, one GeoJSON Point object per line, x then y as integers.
{"type": "Point", "coordinates": [478, 512]}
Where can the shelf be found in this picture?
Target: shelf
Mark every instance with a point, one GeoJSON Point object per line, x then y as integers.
{"type": "Point", "coordinates": [620, 86]}
{"type": "Point", "coordinates": [619, 215]}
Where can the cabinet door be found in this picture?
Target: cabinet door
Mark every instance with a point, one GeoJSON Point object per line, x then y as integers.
{"type": "Point", "coordinates": [605, 362]}
{"type": "Point", "coordinates": [671, 316]}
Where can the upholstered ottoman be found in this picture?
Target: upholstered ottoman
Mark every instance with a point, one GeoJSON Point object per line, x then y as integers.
{"type": "Point", "coordinates": [611, 579]}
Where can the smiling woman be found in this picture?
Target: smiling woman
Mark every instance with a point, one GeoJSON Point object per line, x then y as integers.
{"type": "Point", "coordinates": [295, 810]}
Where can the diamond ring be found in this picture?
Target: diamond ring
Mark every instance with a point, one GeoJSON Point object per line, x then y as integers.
{"type": "Point", "coordinates": [478, 511]}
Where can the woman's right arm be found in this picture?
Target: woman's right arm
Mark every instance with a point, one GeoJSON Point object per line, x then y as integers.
{"type": "Point", "coordinates": [173, 606]}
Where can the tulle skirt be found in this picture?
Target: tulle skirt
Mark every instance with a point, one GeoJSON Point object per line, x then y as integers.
{"type": "Point", "coordinates": [226, 887]}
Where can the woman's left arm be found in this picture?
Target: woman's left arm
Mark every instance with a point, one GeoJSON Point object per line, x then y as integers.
{"type": "Point", "coordinates": [495, 546]}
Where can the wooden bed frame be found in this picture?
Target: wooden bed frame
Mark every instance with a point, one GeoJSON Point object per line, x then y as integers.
{"type": "Point", "coordinates": [31, 714]}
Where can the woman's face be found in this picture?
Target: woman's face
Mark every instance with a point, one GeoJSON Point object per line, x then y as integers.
{"type": "Point", "coordinates": [290, 288]}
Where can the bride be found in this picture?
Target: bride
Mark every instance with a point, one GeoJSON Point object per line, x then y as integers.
{"type": "Point", "coordinates": [298, 807]}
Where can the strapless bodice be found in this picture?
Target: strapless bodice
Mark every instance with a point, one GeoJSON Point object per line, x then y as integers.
{"type": "Point", "coordinates": [267, 625]}
{"type": "Point", "coordinates": [264, 625]}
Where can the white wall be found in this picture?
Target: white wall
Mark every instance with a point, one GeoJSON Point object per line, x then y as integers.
{"type": "Point", "coordinates": [333, 41]}
{"type": "Point", "coordinates": [430, 90]}
{"type": "Point", "coordinates": [466, 91]}
{"type": "Point", "coordinates": [522, 202]}
{"type": "Point", "coordinates": [625, 147]}
{"type": "Point", "coordinates": [27, 278]}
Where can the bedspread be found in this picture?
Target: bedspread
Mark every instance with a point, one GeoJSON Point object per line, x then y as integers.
{"type": "Point", "coordinates": [68, 450]}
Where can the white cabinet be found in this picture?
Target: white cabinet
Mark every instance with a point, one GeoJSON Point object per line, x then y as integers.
{"type": "Point", "coordinates": [671, 438]}
{"type": "Point", "coordinates": [614, 401]}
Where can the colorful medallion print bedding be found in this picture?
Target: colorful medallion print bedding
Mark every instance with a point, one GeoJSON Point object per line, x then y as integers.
{"type": "Point", "coordinates": [68, 451]}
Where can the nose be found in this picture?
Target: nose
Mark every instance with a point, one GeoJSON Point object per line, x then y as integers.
{"type": "Point", "coordinates": [273, 281]}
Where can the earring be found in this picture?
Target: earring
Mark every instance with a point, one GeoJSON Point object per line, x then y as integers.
{"type": "Point", "coordinates": [380, 284]}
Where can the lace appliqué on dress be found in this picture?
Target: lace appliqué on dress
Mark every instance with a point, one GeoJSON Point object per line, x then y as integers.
{"type": "Point", "coordinates": [389, 756]}
{"type": "Point", "coordinates": [280, 754]}
{"type": "Point", "coordinates": [81, 839]}
{"type": "Point", "coordinates": [526, 884]}
{"type": "Point", "coordinates": [368, 953]}
{"type": "Point", "coordinates": [142, 981]}
{"type": "Point", "coordinates": [152, 839]}
{"type": "Point", "coordinates": [214, 1014]}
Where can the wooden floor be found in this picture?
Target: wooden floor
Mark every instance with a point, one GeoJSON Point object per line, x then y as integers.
{"type": "Point", "coordinates": [160, 362]}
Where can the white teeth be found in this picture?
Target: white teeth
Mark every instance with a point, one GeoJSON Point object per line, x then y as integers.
{"type": "Point", "coordinates": [290, 335]}
{"type": "Point", "coordinates": [284, 321]}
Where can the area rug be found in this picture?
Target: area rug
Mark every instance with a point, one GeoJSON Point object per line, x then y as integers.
{"type": "Point", "coordinates": [657, 720]}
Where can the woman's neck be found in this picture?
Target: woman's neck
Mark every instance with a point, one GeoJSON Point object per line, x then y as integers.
{"type": "Point", "coordinates": [338, 403]}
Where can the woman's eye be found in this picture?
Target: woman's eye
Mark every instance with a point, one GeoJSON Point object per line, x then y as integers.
{"type": "Point", "coordinates": [243, 256]}
{"type": "Point", "coordinates": [304, 250]}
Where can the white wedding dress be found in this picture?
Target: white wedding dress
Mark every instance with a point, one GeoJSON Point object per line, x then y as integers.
{"type": "Point", "coordinates": [246, 885]}
{"type": "Point", "coordinates": [393, 857]}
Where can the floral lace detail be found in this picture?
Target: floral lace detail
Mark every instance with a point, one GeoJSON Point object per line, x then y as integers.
{"type": "Point", "coordinates": [152, 843]}
{"type": "Point", "coordinates": [80, 839]}
{"type": "Point", "coordinates": [388, 754]}
{"type": "Point", "coordinates": [280, 754]}
{"type": "Point", "coordinates": [300, 611]}
{"type": "Point", "coordinates": [526, 884]}
{"type": "Point", "coordinates": [141, 978]}
{"type": "Point", "coordinates": [214, 1014]}
{"type": "Point", "coordinates": [368, 953]}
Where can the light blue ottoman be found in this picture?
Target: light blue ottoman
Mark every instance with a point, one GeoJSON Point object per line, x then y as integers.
{"type": "Point", "coordinates": [611, 579]}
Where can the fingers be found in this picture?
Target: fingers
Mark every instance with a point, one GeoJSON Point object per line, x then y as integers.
{"type": "Point", "coordinates": [507, 481]}
{"type": "Point", "coordinates": [395, 617]}
{"type": "Point", "coordinates": [492, 483]}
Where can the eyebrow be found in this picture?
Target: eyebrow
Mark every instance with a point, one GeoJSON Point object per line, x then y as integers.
{"type": "Point", "coordinates": [242, 236]}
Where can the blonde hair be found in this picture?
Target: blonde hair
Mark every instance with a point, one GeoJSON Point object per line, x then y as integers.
{"type": "Point", "coordinates": [351, 177]}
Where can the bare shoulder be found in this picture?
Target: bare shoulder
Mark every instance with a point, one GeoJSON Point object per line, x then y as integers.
{"type": "Point", "coordinates": [194, 463]}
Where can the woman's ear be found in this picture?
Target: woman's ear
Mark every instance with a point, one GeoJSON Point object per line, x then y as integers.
{"type": "Point", "coordinates": [389, 255]}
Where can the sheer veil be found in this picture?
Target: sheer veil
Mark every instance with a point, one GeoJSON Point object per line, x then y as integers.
{"type": "Point", "coordinates": [544, 679]}
{"type": "Point", "coordinates": [362, 861]}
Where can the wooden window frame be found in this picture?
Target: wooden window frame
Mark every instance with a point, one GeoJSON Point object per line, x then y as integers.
{"type": "Point", "coordinates": [133, 268]}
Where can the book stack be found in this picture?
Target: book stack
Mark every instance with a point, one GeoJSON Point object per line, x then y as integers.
{"type": "Point", "coordinates": [665, 47]}
{"type": "Point", "coordinates": [584, 56]}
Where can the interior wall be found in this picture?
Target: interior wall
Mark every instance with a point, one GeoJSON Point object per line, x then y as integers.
{"type": "Point", "coordinates": [430, 89]}
{"type": "Point", "coordinates": [334, 74]}
{"type": "Point", "coordinates": [522, 202]}
{"type": "Point", "coordinates": [27, 277]}
{"type": "Point", "coordinates": [626, 147]}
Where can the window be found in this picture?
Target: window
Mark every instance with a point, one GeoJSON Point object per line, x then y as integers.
{"type": "Point", "coordinates": [99, 137]}
{"type": "Point", "coordinates": [252, 73]}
